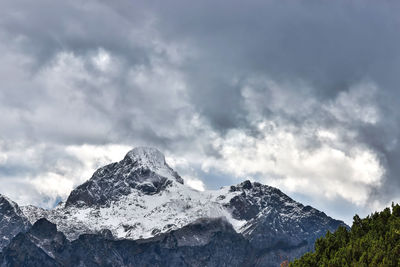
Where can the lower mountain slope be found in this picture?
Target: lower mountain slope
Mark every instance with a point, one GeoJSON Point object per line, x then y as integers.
{"type": "Point", "coordinates": [373, 241]}
{"type": "Point", "coordinates": [206, 242]}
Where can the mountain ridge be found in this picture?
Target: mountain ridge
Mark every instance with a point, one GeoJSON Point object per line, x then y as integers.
{"type": "Point", "coordinates": [141, 197]}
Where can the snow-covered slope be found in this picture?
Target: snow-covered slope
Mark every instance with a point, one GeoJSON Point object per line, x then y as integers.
{"type": "Point", "coordinates": [139, 215]}
{"type": "Point", "coordinates": [138, 197]}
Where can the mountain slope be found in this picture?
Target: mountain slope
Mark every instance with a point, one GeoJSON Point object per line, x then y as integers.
{"type": "Point", "coordinates": [276, 224]}
{"type": "Point", "coordinates": [202, 243]}
{"type": "Point", "coordinates": [12, 221]}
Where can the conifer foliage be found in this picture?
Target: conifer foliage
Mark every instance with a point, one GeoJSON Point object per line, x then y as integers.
{"type": "Point", "coordinates": [373, 241]}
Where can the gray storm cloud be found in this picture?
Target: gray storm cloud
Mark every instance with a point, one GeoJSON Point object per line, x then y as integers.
{"type": "Point", "coordinates": [290, 93]}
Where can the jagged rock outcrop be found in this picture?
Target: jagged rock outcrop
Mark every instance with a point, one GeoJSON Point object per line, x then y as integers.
{"type": "Point", "coordinates": [276, 224]}
{"type": "Point", "coordinates": [12, 221]}
{"type": "Point", "coordinates": [143, 169]}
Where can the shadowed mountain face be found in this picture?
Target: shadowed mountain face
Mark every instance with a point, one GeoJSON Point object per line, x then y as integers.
{"type": "Point", "coordinates": [203, 243]}
{"type": "Point", "coordinates": [12, 221]}
{"type": "Point", "coordinates": [138, 211]}
{"type": "Point", "coordinates": [275, 222]}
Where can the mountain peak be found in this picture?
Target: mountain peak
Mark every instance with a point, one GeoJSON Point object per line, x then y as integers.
{"type": "Point", "coordinates": [148, 157]}
{"type": "Point", "coordinates": [5, 202]}
{"type": "Point", "coordinates": [4, 198]}
{"type": "Point", "coordinates": [143, 169]}
{"type": "Point", "coordinates": [145, 159]}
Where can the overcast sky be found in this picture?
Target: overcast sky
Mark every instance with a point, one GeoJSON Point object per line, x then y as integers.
{"type": "Point", "coordinates": [301, 95]}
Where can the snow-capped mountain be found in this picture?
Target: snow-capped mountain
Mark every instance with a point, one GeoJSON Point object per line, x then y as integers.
{"type": "Point", "coordinates": [141, 197]}
{"type": "Point", "coordinates": [143, 170]}
{"type": "Point", "coordinates": [138, 197]}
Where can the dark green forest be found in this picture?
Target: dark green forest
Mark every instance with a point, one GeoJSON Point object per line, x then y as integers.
{"type": "Point", "coordinates": [372, 241]}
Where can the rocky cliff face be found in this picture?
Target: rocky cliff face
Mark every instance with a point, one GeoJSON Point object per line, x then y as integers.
{"type": "Point", "coordinates": [203, 243]}
{"type": "Point", "coordinates": [274, 218]}
{"type": "Point", "coordinates": [275, 222]}
{"type": "Point", "coordinates": [12, 221]}
{"type": "Point", "coordinates": [142, 169]}
{"type": "Point", "coordinates": [142, 198]}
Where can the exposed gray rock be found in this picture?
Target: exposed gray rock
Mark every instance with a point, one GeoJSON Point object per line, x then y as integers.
{"type": "Point", "coordinates": [12, 221]}
{"type": "Point", "coordinates": [204, 243]}
{"type": "Point", "coordinates": [143, 169]}
{"type": "Point", "coordinates": [276, 224]}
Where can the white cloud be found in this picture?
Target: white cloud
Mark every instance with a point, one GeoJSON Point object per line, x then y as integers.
{"type": "Point", "coordinates": [326, 135]}
{"type": "Point", "coordinates": [194, 183]}
{"type": "Point", "coordinates": [280, 159]}
{"type": "Point", "coordinates": [3, 158]}
{"type": "Point", "coordinates": [52, 185]}
{"type": "Point", "coordinates": [93, 157]}
{"type": "Point", "coordinates": [186, 170]}
{"type": "Point", "coordinates": [102, 60]}
{"type": "Point", "coordinates": [48, 173]}
{"type": "Point", "coordinates": [356, 104]}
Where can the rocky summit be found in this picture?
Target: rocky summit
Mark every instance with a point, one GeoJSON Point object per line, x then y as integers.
{"type": "Point", "coordinates": [139, 212]}
{"type": "Point", "coordinates": [142, 169]}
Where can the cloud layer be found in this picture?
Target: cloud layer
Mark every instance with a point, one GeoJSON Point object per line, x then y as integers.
{"type": "Point", "coordinates": [300, 95]}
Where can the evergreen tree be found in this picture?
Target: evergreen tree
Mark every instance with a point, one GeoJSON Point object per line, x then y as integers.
{"type": "Point", "coordinates": [373, 241]}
